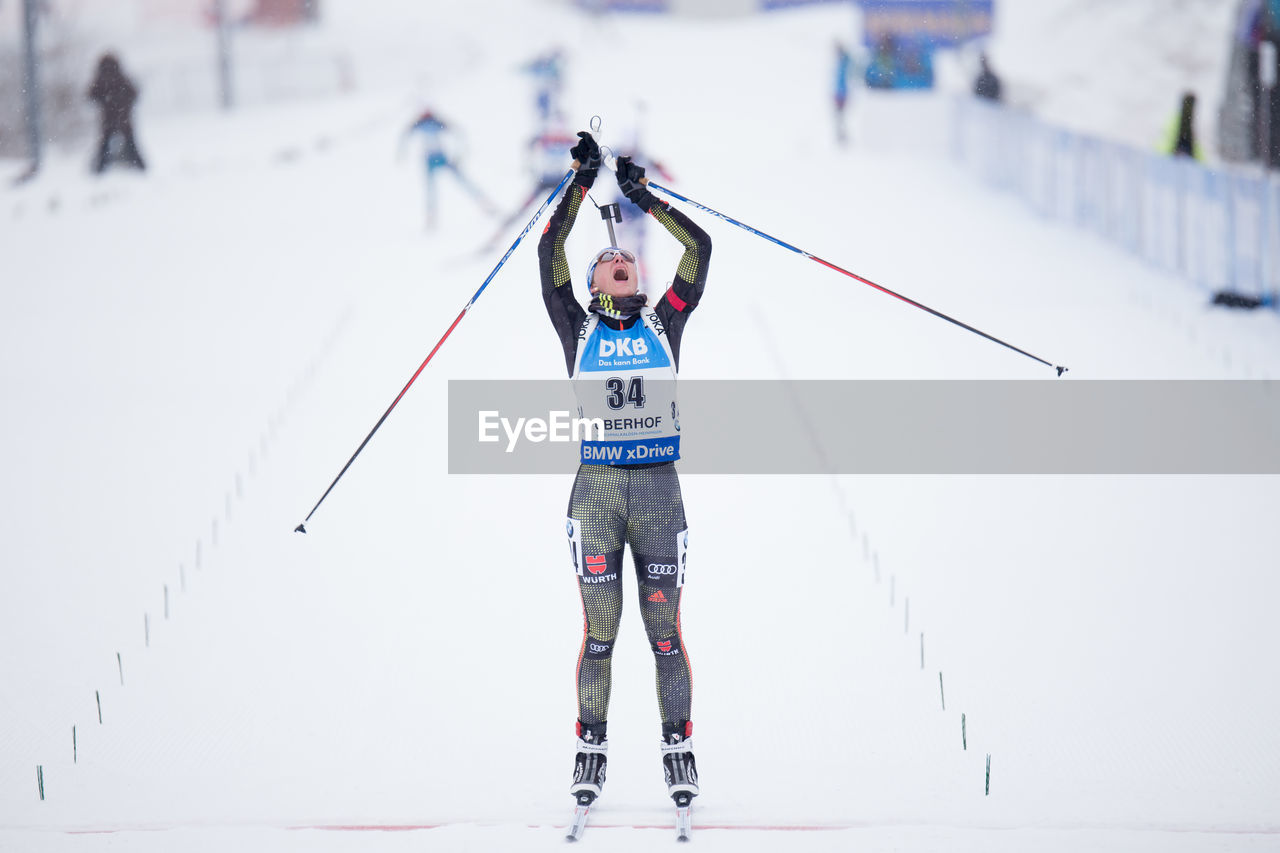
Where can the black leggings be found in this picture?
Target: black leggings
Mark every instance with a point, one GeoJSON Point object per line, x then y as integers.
{"type": "Point", "coordinates": [127, 154]}
{"type": "Point", "coordinates": [612, 507]}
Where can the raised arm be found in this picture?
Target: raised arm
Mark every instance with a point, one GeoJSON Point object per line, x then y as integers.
{"type": "Point", "coordinates": [687, 285]}
{"type": "Point", "coordinates": [563, 307]}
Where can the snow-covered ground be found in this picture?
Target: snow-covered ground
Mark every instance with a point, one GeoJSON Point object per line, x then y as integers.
{"type": "Point", "coordinates": [187, 358]}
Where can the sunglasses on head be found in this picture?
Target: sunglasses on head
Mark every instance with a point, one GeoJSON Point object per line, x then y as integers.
{"type": "Point", "coordinates": [609, 254]}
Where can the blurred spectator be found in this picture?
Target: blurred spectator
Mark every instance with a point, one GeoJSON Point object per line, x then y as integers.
{"type": "Point", "coordinates": [115, 94]}
{"type": "Point", "coordinates": [844, 64]}
{"type": "Point", "coordinates": [1265, 27]}
{"type": "Point", "coordinates": [900, 63]}
{"type": "Point", "coordinates": [987, 84]}
{"type": "Point", "coordinates": [1182, 133]}
{"type": "Point", "coordinates": [880, 71]}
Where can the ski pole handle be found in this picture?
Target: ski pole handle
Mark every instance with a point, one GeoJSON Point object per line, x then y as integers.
{"type": "Point", "coordinates": [608, 157]}
{"type": "Point", "coordinates": [594, 125]}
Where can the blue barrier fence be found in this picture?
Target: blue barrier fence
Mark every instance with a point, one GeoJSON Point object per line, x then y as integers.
{"type": "Point", "coordinates": [1217, 227]}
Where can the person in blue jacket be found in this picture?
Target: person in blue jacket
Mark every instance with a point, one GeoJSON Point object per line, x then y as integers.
{"type": "Point", "coordinates": [436, 136]}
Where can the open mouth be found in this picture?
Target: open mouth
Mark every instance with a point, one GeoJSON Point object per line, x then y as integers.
{"type": "Point", "coordinates": [620, 274]}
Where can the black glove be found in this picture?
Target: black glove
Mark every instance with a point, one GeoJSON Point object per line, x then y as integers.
{"type": "Point", "coordinates": [629, 177]}
{"type": "Point", "coordinates": [587, 153]}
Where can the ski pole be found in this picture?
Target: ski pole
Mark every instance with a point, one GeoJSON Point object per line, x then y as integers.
{"type": "Point", "coordinates": [852, 275]}
{"type": "Point", "coordinates": [301, 528]}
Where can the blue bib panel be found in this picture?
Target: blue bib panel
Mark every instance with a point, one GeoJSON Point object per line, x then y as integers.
{"type": "Point", "coordinates": [626, 378]}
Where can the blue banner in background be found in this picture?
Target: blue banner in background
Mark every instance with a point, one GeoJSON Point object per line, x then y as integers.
{"type": "Point", "coordinates": [772, 5]}
{"type": "Point", "coordinates": [928, 23]}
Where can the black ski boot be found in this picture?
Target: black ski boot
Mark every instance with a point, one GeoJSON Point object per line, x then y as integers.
{"type": "Point", "coordinates": [677, 762]}
{"type": "Point", "coordinates": [588, 767]}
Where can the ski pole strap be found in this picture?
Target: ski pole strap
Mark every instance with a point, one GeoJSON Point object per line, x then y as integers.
{"type": "Point", "coordinates": [852, 275]}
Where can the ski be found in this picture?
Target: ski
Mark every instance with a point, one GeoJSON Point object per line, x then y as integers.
{"type": "Point", "coordinates": [684, 818]}
{"type": "Point", "coordinates": [579, 824]}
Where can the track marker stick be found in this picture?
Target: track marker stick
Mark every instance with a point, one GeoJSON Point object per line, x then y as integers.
{"type": "Point", "coordinates": [568, 176]}
{"type": "Point", "coordinates": [852, 275]}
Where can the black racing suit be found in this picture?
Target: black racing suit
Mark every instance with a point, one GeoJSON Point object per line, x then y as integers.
{"type": "Point", "coordinates": [618, 505]}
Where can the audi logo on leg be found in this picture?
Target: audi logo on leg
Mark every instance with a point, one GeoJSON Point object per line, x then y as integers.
{"type": "Point", "coordinates": [660, 569]}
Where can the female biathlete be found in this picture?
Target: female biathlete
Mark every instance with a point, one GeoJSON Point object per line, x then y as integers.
{"type": "Point", "coordinates": [622, 356]}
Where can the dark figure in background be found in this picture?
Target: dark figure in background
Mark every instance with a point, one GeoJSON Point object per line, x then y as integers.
{"type": "Point", "coordinates": [987, 84]}
{"type": "Point", "coordinates": [115, 95]}
{"type": "Point", "coordinates": [1184, 132]}
{"type": "Point", "coordinates": [1264, 26]}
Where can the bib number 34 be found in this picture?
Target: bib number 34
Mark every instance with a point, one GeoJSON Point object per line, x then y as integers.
{"type": "Point", "coordinates": [621, 393]}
